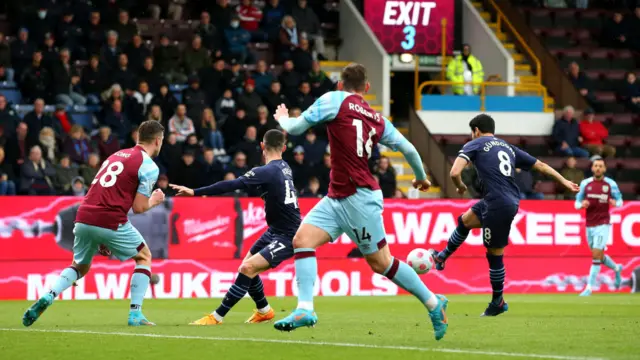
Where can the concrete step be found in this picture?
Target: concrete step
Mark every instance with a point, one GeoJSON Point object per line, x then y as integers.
{"type": "Point", "coordinates": [522, 67]}
{"type": "Point", "coordinates": [509, 46]}
{"type": "Point", "coordinates": [521, 73]}
{"type": "Point", "coordinates": [528, 79]}
{"type": "Point", "coordinates": [518, 58]}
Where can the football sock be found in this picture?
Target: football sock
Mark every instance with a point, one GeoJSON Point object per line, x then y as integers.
{"type": "Point", "coordinates": [457, 238]}
{"type": "Point", "coordinates": [496, 276]}
{"type": "Point", "coordinates": [306, 273]}
{"type": "Point", "coordinates": [256, 291]}
{"type": "Point", "coordinates": [65, 280]}
{"type": "Point", "coordinates": [236, 292]}
{"type": "Point", "coordinates": [593, 273]}
{"type": "Point", "coordinates": [404, 276]}
{"type": "Point", "coordinates": [608, 262]}
{"type": "Point", "coordinates": [139, 284]}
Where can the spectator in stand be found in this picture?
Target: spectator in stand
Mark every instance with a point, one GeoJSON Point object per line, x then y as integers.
{"type": "Point", "coordinates": [112, 94]}
{"type": "Point", "coordinates": [616, 32]}
{"type": "Point", "coordinates": [221, 14]}
{"type": "Point", "coordinates": [106, 143]}
{"type": "Point", "coordinates": [69, 35]}
{"type": "Point", "coordinates": [195, 57]}
{"type": "Point", "coordinates": [189, 172]}
{"type": "Point", "coordinates": [635, 28]}
{"type": "Point", "coordinates": [265, 121]}
{"type": "Point", "coordinates": [195, 99]}
{"type": "Point", "coordinates": [78, 187]}
{"type": "Point", "coordinates": [288, 38]}
{"type": "Point", "coordinates": [8, 118]}
{"type": "Point", "coordinates": [143, 100]}
{"type": "Point", "coordinates": [250, 146]}
{"type": "Point", "coordinates": [465, 68]}
{"type": "Point", "coordinates": [273, 12]}
{"type": "Point", "coordinates": [123, 75]}
{"type": "Point", "coordinates": [302, 58]}
{"type": "Point", "coordinates": [250, 18]}
{"type": "Point", "coordinates": [290, 80]}
{"type": "Point", "coordinates": [210, 134]}
{"type": "Point", "coordinates": [77, 145]}
{"type": "Point", "coordinates": [93, 80]}
{"type": "Point", "coordinates": [313, 190]}
{"type": "Point", "coordinates": [581, 82]}
{"type": "Point", "coordinates": [118, 121]}
{"type": "Point", "coordinates": [594, 135]}
{"type": "Point", "coordinates": [250, 100]}
{"type": "Point", "coordinates": [566, 134]}
{"type": "Point", "coordinates": [181, 124]}
{"type": "Point", "coordinates": [237, 40]}
{"type": "Point", "coordinates": [173, 8]}
{"type": "Point", "coordinates": [171, 153]}
{"type": "Point", "coordinates": [214, 79]}
{"type": "Point", "coordinates": [193, 145]}
{"type": "Point", "coordinates": [35, 80]}
{"type": "Point", "coordinates": [94, 34]}
{"type": "Point", "coordinates": [125, 28]}
{"type": "Point", "coordinates": [49, 51]}
{"type": "Point", "coordinates": [149, 74]}
{"type": "Point", "coordinates": [630, 93]}
{"type": "Point", "coordinates": [65, 173]}
{"type": "Point", "coordinates": [300, 168]}
{"type": "Point", "coordinates": [225, 106]}
{"type": "Point", "coordinates": [43, 23]}
{"type": "Point", "coordinates": [320, 82]}
{"type": "Point", "coordinates": [64, 119]}
{"type": "Point", "coordinates": [65, 79]}
{"type": "Point", "coordinates": [132, 139]}
{"type": "Point", "coordinates": [167, 102]}
{"type": "Point", "coordinates": [5, 59]}
{"type": "Point", "coordinates": [386, 177]}
{"type": "Point", "coordinates": [212, 169]}
{"type": "Point", "coordinates": [211, 37]}
{"type": "Point", "coordinates": [526, 185]}
{"type": "Point", "coordinates": [167, 58]}
{"type": "Point", "coordinates": [263, 78]}
{"type": "Point", "coordinates": [7, 176]}
{"type": "Point", "coordinates": [163, 184]}
{"type": "Point", "coordinates": [238, 165]}
{"type": "Point", "coordinates": [275, 97]}
{"type": "Point", "coordinates": [136, 52]}
{"type": "Point", "coordinates": [17, 147]}
{"type": "Point", "coordinates": [571, 173]}
{"type": "Point", "coordinates": [309, 26]}
{"type": "Point", "coordinates": [314, 148]}
{"type": "Point", "coordinates": [234, 128]}
{"type": "Point", "coordinates": [36, 174]}
{"type": "Point", "coordinates": [89, 171]}
{"type": "Point", "coordinates": [237, 77]}
{"type": "Point", "coordinates": [155, 114]}
{"type": "Point", "coordinates": [304, 98]}
{"type": "Point", "coordinates": [37, 119]}
{"type": "Point", "coordinates": [48, 145]}
{"type": "Point", "coordinates": [22, 50]}
{"type": "Point", "coordinates": [110, 52]}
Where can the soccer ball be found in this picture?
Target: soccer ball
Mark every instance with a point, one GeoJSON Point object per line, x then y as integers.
{"type": "Point", "coordinates": [420, 260]}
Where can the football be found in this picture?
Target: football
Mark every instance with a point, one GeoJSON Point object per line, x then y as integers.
{"type": "Point", "coordinates": [420, 260]}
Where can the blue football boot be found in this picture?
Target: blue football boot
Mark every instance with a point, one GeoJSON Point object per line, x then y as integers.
{"type": "Point", "coordinates": [586, 292]}
{"type": "Point", "coordinates": [33, 313]}
{"type": "Point", "coordinates": [298, 318]}
{"type": "Point", "coordinates": [439, 317]}
{"type": "Point", "coordinates": [136, 318]}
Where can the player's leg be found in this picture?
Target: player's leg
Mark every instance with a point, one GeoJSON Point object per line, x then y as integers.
{"type": "Point", "coordinates": [467, 221]}
{"type": "Point", "coordinates": [85, 246]}
{"type": "Point", "coordinates": [607, 260]}
{"type": "Point", "coordinates": [319, 227]}
{"type": "Point", "coordinates": [597, 238]}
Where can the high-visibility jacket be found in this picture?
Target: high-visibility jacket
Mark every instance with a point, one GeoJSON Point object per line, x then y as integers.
{"type": "Point", "coordinates": [455, 73]}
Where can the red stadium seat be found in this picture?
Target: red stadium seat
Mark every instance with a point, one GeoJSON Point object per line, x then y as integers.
{"type": "Point", "coordinates": [547, 187]}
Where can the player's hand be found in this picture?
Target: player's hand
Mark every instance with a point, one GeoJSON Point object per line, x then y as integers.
{"type": "Point", "coordinates": [103, 250]}
{"type": "Point", "coordinates": [461, 190]}
{"type": "Point", "coordinates": [571, 186]}
{"type": "Point", "coordinates": [612, 202]}
{"type": "Point", "coordinates": [422, 185]}
{"type": "Point", "coordinates": [157, 197]}
{"type": "Point", "coordinates": [281, 111]}
{"type": "Point", "coordinates": [585, 204]}
{"type": "Point", "coordinates": [181, 190]}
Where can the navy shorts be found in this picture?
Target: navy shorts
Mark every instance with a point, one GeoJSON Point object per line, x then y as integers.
{"type": "Point", "coordinates": [276, 248]}
{"type": "Point", "coordinates": [496, 223]}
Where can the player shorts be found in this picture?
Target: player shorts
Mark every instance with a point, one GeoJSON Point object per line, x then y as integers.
{"type": "Point", "coordinates": [276, 248]}
{"type": "Point", "coordinates": [597, 236]}
{"type": "Point", "coordinates": [358, 215]}
{"type": "Point", "coordinates": [124, 243]}
{"type": "Point", "coordinates": [496, 223]}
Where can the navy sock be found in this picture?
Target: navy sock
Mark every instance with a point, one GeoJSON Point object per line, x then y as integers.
{"type": "Point", "coordinates": [457, 238]}
{"type": "Point", "coordinates": [496, 276]}
{"type": "Point", "coordinates": [256, 291]}
{"type": "Point", "coordinates": [236, 292]}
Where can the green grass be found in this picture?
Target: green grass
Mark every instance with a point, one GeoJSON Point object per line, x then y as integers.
{"type": "Point", "coordinates": [564, 326]}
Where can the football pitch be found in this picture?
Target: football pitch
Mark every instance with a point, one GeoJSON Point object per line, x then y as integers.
{"type": "Point", "coordinates": [564, 327]}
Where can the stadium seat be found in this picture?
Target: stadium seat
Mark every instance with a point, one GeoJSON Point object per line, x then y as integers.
{"type": "Point", "coordinates": [554, 162]}
{"type": "Point", "coordinates": [598, 59]}
{"type": "Point", "coordinates": [84, 119]}
{"type": "Point", "coordinates": [622, 124]}
{"type": "Point", "coordinates": [540, 18]}
{"type": "Point", "coordinates": [12, 94]}
{"type": "Point", "coordinates": [565, 19]}
{"type": "Point", "coordinates": [536, 145]}
{"type": "Point", "coordinates": [620, 143]}
{"type": "Point", "coordinates": [622, 59]}
{"type": "Point", "coordinates": [631, 170]}
{"type": "Point", "coordinates": [557, 38]}
{"type": "Point", "coordinates": [583, 163]}
{"type": "Point", "coordinates": [629, 190]}
{"type": "Point", "coordinates": [591, 20]}
{"type": "Point", "coordinates": [547, 187]}
{"type": "Point", "coordinates": [569, 56]}
{"type": "Point", "coordinates": [634, 148]}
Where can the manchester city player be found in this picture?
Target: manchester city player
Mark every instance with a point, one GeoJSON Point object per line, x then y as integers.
{"type": "Point", "coordinates": [275, 182]}
{"type": "Point", "coordinates": [495, 161]}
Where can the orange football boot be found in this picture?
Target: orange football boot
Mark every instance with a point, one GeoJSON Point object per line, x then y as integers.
{"type": "Point", "coordinates": [206, 320]}
{"type": "Point", "coordinates": [259, 317]}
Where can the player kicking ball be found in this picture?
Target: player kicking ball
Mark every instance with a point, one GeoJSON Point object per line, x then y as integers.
{"type": "Point", "coordinates": [125, 181]}
{"type": "Point", "coordinates": [597, 194]}
{"type": "Point", "coordinates": [496, 161]}
{"type": "Point", "coordinates": [354, 203]}
{"type": "Point", "coordinates": [275, 182]}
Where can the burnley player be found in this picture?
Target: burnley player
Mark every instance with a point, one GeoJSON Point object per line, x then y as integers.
{"type": "Point", "coordinates": [354, 203]}
{"type": "Point", "coordinates": [596, 195]}
{"type": "Point", "coordinates": [125, 181]}
{"type": "Point", "coordinates": [274, 180]}
{"type": "Point", "coordinates": [495, 161]}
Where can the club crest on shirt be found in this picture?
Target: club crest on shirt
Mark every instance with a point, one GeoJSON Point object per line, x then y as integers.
{"type": "Point", "coordinates": [605, 188]}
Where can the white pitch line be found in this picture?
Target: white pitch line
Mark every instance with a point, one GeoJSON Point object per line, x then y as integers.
{"type": "Point", "coordinates": [321, 343]}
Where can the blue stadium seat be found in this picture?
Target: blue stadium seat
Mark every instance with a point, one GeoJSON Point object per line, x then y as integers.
{"type": "Point", "coordinates": [12, 94]}
{"type": "Point", "coordinates": [22, 110]}
{"type": "Point", "coordinates": [84, 119]}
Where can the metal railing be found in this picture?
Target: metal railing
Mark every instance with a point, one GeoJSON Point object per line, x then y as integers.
{"type": "Point", "coordinates": [539, 89]}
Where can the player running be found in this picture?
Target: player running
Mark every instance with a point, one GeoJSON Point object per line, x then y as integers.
{"type": "Point", "coordinates": [275, 181]}
{"type": "Point", "coordinates": [125, 181]}
{"type": "Point", "coordinates": [354, 203]}
{"type": "Point", "coordinates": [495, 161]}
{"type": "Point", "coordinates": [596, 195]}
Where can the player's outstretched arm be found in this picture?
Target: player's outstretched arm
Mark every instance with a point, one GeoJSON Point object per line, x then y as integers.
{"type": "Point", "coordinates": [142, 203]}
{"type": "Point", "coordinates": [392, 138]}
{"type": "Point", "coordinates": [218, 188]}
{"type": "Point", "coordinates": [549, 171]}
{"type": "Point", "coordinates": [325, 108]}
